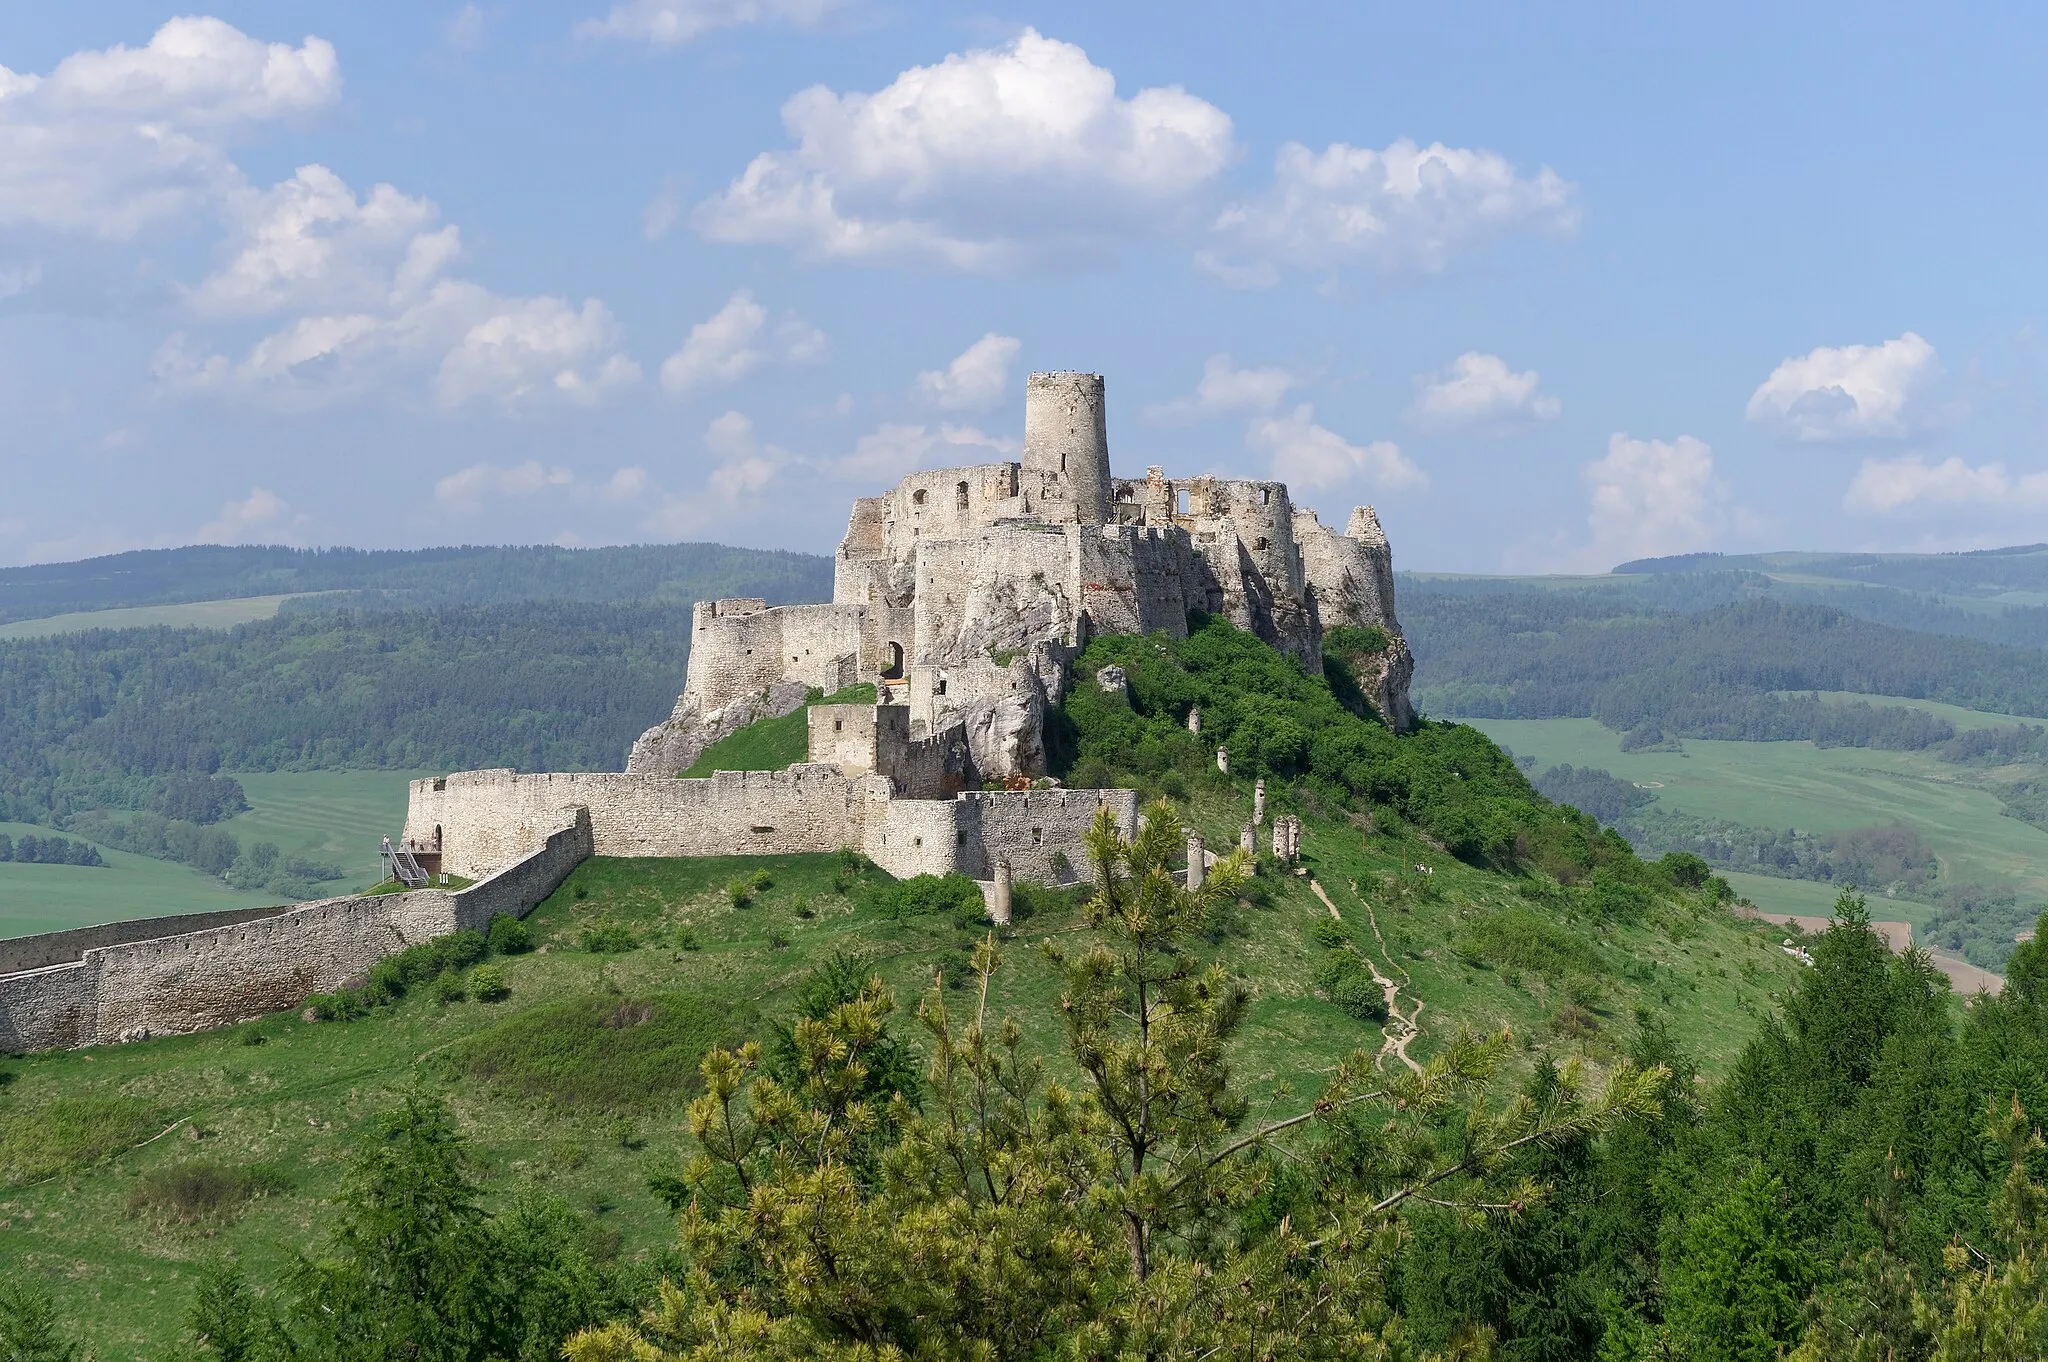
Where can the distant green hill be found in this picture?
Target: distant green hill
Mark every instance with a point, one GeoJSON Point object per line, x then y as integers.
{"type": "Point", "coordinates": [468, 575]}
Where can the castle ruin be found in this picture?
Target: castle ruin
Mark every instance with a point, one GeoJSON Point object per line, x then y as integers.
{"type": "Point", "coordinates": [963, 594]}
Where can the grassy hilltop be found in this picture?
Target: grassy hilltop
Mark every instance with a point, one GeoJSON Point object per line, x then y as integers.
{"type": "Point", "coordinates": [126, 1169]}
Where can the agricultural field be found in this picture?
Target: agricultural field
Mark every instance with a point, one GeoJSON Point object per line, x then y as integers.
{"type": "Point", "coordinates": [338, 817]}
{"type": "Point", "coordinates": [183, 615]}
{"type": "Point", "coordinates": [55, 898]}
{"type": "Point", "coordinates": [573, 1084]}
{"type": "Point", "coordinates": [1798, 785]}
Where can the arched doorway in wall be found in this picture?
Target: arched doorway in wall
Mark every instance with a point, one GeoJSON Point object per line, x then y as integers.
{"type": "Point", "coordinates": [893, 671]}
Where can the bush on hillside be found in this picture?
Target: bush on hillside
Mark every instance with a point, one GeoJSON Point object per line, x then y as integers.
{"type": "Point", "coordinates": [1278, 721]}
{"type": "Point", "coordinates": [925, 896]}
{"type": "Point", "coordinates": [507, 935]}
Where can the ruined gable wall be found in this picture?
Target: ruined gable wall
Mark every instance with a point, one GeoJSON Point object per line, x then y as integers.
{"type": "Point", "coordinates": [1352, 583]}
{"type": "Point", "coordinates": [732, 655]}
{"type": "Point", "coordinates": [842, 737]}
{"type": "Point", "coordinates": [1029, 827]}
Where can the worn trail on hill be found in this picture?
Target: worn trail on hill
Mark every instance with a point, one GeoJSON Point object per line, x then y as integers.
{"type": "Point", "coordinates": [1400, 1030]}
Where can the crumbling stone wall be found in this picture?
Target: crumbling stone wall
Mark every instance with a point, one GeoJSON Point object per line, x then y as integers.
{"type": "Point", "coordinates": [161, 979]}
{"type": "Point", "coordinates": [1032, 828]}
{"type": "Point", "coordinates": [56, 948]}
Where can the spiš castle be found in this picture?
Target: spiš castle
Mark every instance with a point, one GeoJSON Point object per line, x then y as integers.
{"type": "Point", "coordinates": [962, 594]}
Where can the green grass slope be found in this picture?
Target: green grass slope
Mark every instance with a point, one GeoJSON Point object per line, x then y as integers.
{"type": "Point", "coordinates": [1482, 903]}
{"type": "Point", "coordinates": [771, 744]}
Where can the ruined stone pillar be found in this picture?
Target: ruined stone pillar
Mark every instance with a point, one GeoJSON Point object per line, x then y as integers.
{"type": "Point", "coordinates": [1248, 840]}
{"type": "Point", "coordinates": [1259, 802]}
{"type": "Point", "coordinates": [999, 911]}
{"type": "Point", "coordinates": [1197, 862]}
{"type": "Point", "coordinates": [1195, 720]}
{"type": "Point", "coordinates": [1223, 760]}
{"type": "Point", "coordinates": [1280, 840]}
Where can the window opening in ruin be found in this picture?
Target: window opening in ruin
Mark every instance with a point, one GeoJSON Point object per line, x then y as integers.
{"type": "Point", "coordinates": [1180, 499]}
{"type": "Point", "coordinates": [894, 671]}
{"type": "Point", "coordinates": [1265, 496]}
{"type": "Point", "coordinates": [960, 838]}
{"type": "Point", "coordinates": [960, 495]}
{"type": "Point", "coordinates": [942, 687]}
{"type": "Point", "coordinates": [1037, 836]}
{"type": "Point", "coordinates": [917, 497]}
{"type": "Point", "coordinates": [1261, 546]}
{"type": "Point", "coordinates": [838, 724]}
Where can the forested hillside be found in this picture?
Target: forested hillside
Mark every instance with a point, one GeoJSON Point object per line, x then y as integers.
{"type": "Point", "coordinates": [122, 719]}
{"type": "Point", "coordinates": [1530, 653]}
{"type": "Point", "coordinates": [469, 575]}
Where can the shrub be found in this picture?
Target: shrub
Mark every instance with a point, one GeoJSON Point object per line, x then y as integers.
{"type": "Point", "coordinates": [199, 1193]}
{"type": "Point", "coordinates": [778, 941]}
{"type": "Point", "coordinates": [609, 938]}
{"type": "Point", "coordinates": [802, 907]}
{"type": "Point", "coordinates": [1348, 981]}
{"type": "Point", "coordinates": [686, 940]}
{"type": "Point", "coordinates": [761, 881]}
{"type": "Point", "coordinates": [1518, 937]}
{"type": "Point", "coordinates": [738, 894]}
{"type": "Point", "coordinates": [487, 982]}
{"type": "Point", "coordinates": [1329, 933]}
{"type": "Point", "coordinates": [925, 895]}
{"type": "Point", "coordinates": [448, 989]}
{"type": "Point", "coordinates": [604, 1054]}
{"type": "Point", "coordinates": [509, 936]}
{"type": "Point", "coordinates": [342, 1005]}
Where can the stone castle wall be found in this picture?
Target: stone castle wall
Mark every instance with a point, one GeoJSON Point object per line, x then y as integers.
{"type": "Point", "coordinates": [57, 948]}
{"type": "Point", "coordinates": [736, 652]}
{"type": "Point", "coordinates": [162, 978]}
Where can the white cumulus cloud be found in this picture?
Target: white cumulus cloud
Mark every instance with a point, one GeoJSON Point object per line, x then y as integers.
{"type": "Point", "coordinates": [1224, 388]}
{"type": "Point", "coordinates": [1885, 486]}
{"type": "Point", "coordinates": [987, 160]}
{"type": "Point", "coordinates": [976, 379]}
{"type": "Point", "coordinates": [735, 341]}
{"type": "Point", "coordinates": [1308, 455]}
{"type": "Point", "coordinates": [368, 301]}
{"type": "Point", "coordinates": [1405, 208]}
{"type": "Point", "coordinates": [1480, 389]}
{"type": "Point", "coordinates": [1847, 392]}
{"type": "Point", "coordinates": [115, 139]}
{"type": "Point", "coordinates": [262, 516]}
{"type": "Point", "coordinates": [671, 23]}
{"type": "Point", "coordinates": [1652, 498]}
{"type": "Point", "coordinates": [469, 490]}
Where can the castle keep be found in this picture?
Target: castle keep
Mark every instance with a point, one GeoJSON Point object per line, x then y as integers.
{"type": "Point", "coordinates": [966, 592]}
{"type": "Point", "coordinates": [963, 594]}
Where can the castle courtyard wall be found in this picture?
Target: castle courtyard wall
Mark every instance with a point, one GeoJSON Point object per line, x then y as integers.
{"type": "Point", "coordinates": [167, 981]}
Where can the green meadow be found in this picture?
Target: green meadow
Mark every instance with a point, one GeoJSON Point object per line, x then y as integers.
{"type": "Point", "coordinates": [1798, 785]}
{"type": "Point", "coordinates": [339, 817]}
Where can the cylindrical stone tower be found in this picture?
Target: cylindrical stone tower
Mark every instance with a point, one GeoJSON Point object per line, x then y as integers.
{"type": "Point", "coordinates": [1065, 433]}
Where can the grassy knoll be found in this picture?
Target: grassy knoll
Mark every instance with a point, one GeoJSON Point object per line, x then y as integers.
{"type": "Point", "coordinates": [573, 1084]}
{"type": "Point", "coordinates": [771, 744]}
{"type": "Point", "coordinates": [1795, 784]}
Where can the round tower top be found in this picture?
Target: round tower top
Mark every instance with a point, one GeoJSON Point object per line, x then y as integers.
{"type": "Point", "coordinates": [1066, 433]}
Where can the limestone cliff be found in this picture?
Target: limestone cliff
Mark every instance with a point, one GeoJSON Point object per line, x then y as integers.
{"type": "Point", "coordinates": [966, 592]}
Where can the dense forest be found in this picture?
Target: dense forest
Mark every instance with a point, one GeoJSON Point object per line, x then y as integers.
{"type": "Point", "coordinates": [136, 719]}
{"type": "Point", "coordinates": [666, 573]}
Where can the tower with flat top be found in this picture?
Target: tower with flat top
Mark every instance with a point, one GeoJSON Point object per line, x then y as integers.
{"type": "Point", "coordinates": [1066, 433]}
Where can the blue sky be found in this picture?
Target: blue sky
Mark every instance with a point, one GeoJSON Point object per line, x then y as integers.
{"type": "Point", "coordinates": [1551, 286]}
